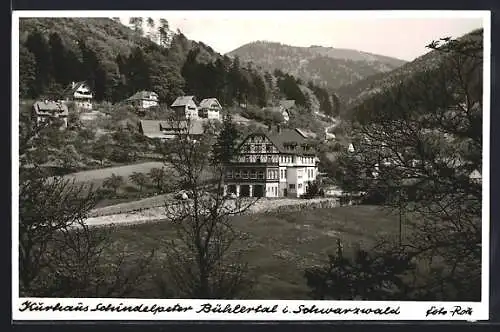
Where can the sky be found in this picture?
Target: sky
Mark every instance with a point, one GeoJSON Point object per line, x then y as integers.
{"type": "Point", "coordinates": [402, 35]}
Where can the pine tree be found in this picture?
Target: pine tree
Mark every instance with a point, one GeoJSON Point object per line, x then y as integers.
{"type": "Point", "coordinates": [152, 34]}
{"type": "Point", "coordinates": [27, 73]}
{"type": "Point", "coordinates": [137, 24]}
{"type": "Point", "coordinates": [163, 31]}
{"type": "Point", "coordinates": [37, 45]}
{"type": "Point", "coordinates": [225, 147]}
{"type": "Point", "coordinates": [58, 57]}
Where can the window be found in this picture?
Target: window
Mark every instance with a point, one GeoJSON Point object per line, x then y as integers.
{"type": "Point", "coordinates": [269, 159]}
{"type": "Point", "coordinates": [261, 174]}
{"type": "Point", "coordinates": [299, 185]}
{"type": "Point", "coordinates": [253, 175]}
{"type": "Point", "coordinates": [244, 175]}
{"type": "Point", "coordinates": [269, 174]}
{"type": "Point", "coordinates": [281, 174]}
{"type": "Point", "coordinates": [247, 159]}
{"type": "Point", "coordinates": [237, 174]}
{"type": "Point", "coordinates": [258, 160]}
{"type": "Point", "coordinates": [269, 148]}
{"type": "Point", "coordinates": [291, 186]}
{"type": "Point", "coordinates": [285, 173]}
{"type": "Point", "coordinates": [229, 174]}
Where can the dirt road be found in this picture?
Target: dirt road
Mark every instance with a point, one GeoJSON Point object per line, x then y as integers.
{"type": "Point", "coordinates": [158, 213]}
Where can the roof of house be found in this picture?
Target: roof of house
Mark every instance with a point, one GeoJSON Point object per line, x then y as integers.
{"type": "Point", "coordinates": [306, 133]}
{"type": "Point", "coordinates": [182, 101]}
{"type": "Point", "coordinates": [287, 103]}
{"type": "Point", "coordinates": [284, 137]}
{"type": "Point", "coordinates": [209, 102]}
{"type": "Point", "coordinates": [71, 89]}
{"type": "Point", "coordinates": [161, 128]}
{"type": "Point", "coordinates": [475, 175]}
{"type": "Point", "coordinates": [50, 107]}
{"type": "Point", "coordinates": [143, 95]}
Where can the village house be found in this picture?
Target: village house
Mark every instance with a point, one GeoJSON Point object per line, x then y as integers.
{"type": "Point", "coordinates": [144, 100]}
{"type": "Point", "coordinates": [210, 108]}
{"type": "Point", "coordinates": [81, 94]}
{"type": "Point", "coordinates": [278, 163]}
{"type": "Point", "coordinates": [185, 106]}
{"type": "Point", "coordinates": [329, 136]}
{"type": "Point", "coordinates": [165, 130]}
{"type": "Point", "coordinates": [47, 110]}
{"type": "Point", "coordinates": [476, 176]}
{"type": "Point", "coordinates": [286, 107]}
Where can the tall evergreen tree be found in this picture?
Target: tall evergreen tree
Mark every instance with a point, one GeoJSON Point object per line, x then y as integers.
{"type": "Point", "coordinates": [59, 59]}
{"type": "Point", "coordinates": [163, 31]}
{"type": "Point", "coordinates": [137, 24]}
{"type": "Point", "coordinates": [37, 44]}
{"type": "Point", "coordinates": [27, 73]}
{"type": "Point", "coordinates": [225, 147]}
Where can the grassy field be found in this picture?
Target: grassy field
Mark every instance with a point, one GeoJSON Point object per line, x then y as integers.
{"type": "Point", "coordinates": [279, 247]}
{"type": "Point", "coordinates": [103, 173]}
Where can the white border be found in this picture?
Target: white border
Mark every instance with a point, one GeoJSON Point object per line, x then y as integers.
{"type": "Point", "coordinates": [407, 311]}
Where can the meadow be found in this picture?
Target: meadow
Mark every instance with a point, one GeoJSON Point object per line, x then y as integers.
{"type": "Point", "coordinates": [277, 247]}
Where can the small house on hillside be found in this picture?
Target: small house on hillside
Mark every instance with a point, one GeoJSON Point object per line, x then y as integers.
{"type": "Point", "coordinates": [286, 107]}
{"type": "Point", "coordinates": [306, 133]}
{"type": "Point", "coordinates": [185, 106]}
{"type": "Point", "coordinates": [144, 99]}
{"type": "Point", "coordinates": [81, 94]}
{"type": "Point", "coordinates": [476, 176]}
{"type": "Point", "coordinates": [210, 108]}
{"type": "Point", "coordinates": [165, 130]}
{"type": "Point", "coordinates": [46, 111]}
{"type": "Point", "coordinates": [329, 136]}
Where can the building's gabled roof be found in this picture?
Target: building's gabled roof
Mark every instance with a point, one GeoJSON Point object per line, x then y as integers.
{"type": "Point", "coordinates": [72, 87]}
{"type": "Point", "coordinates": [287, 104]}
{"type": "Point", "coordinates": [183, 101]}
{"type": "Point", "coordinates": [162, 128]}
{"type": "Point", "coordinates": [273, 109]}
{"type": "Point", "coordinates": [50, 107]}
{"type": "Point", "coordinates": [306, 133]}
{"type": "Point", "coordinates": [210, 103]}
{"type": "Point", "coordinates": [475, 175]}
{"type": "Point", "coordinates": [143, 95]}
{"type": "Point", "coordinates": [284, 140]}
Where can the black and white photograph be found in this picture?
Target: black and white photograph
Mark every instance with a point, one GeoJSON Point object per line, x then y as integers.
{"type": "Point", "coordinates": [297, 158]}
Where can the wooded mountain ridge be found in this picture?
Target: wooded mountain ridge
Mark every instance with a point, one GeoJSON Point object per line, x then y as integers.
{"type": "Point", "coordinates": [325, 66]}
{"type": "Point", "coordinates": [118, 61]}
{"type": "Point", "coordinates": [352, 95]}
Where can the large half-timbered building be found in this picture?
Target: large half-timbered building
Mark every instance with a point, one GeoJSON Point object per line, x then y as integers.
{"type": "Point", "coordinates": [278, 163]}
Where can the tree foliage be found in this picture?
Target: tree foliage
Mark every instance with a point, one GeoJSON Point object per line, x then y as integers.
{"type": "Point", "coordinates": [415, 147]}
{"type": "Point", "coordinates": [202, 261]}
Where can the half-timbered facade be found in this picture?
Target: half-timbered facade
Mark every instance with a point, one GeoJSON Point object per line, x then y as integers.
{"type": "Point", "coordinates": [272, 164]}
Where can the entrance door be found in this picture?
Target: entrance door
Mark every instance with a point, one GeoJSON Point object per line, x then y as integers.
{"type": "Point", "coordinates": [244, 190]}
{"type": "Point", "coordinates": [258, 190]}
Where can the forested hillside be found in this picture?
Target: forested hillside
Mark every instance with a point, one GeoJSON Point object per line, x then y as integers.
{"type": "Point", "coordinates": [352, 95]}
{"type": "Point", "coordinates": [118, 61]}
{"type": "Point", "coordinates": [324, 66]}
